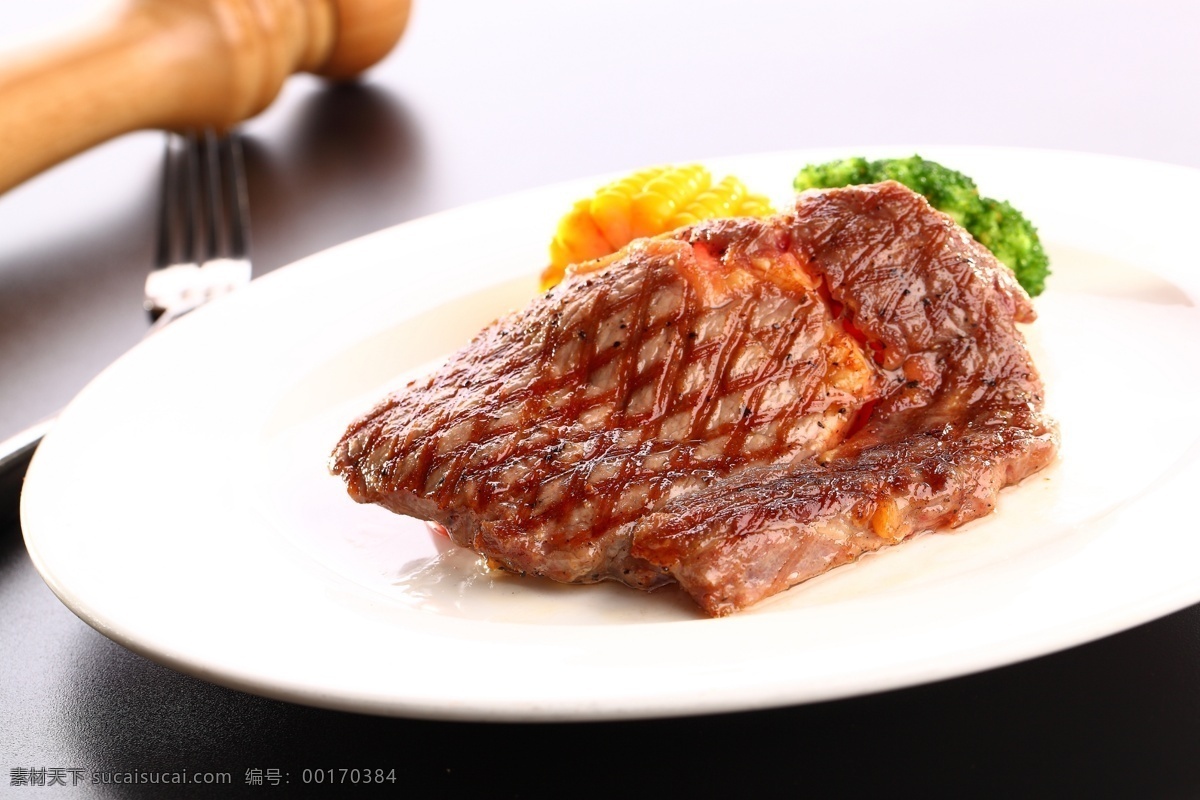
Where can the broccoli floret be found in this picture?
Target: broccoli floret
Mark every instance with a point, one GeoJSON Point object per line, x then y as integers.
{"type": "Point", "coordinates": [847, 172]}
{"type": "Point", "coordinates": [1013, 240]}
{"type": "Point", "coordinates": [996, 225]}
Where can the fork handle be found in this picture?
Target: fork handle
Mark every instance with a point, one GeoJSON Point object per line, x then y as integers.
{"type": "Point", "coordinates": [177, 64]}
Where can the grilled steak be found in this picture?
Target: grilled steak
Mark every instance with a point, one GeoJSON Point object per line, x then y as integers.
{"type": "Point", "coordinates": [738, 406]}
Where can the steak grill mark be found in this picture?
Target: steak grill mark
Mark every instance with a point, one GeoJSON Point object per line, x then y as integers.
{"type": "Point", "coordinates": [681, 373]}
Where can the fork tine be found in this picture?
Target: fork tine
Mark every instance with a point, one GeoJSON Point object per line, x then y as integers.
{"type": "Point", "coordinates": [176, 210]}
{"type": "Point", "coordinates": [192, 210]}
{"type": "Point", "coordinates": [214, 244]}
{"type": "Point", "coordinates": [226, 206]}
{"type": "Point", "coordinates": [164, 250]}
{"type": "Point", "coordinates": [203, 246]}
{"type": "Point", "coordinates": [237, 200]}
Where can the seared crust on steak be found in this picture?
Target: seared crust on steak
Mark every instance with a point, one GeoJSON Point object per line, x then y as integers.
{"type": "Point", "coordinates": [737, 407]}
{"type": "Point", "coordinates": [961, 416]}
{"type": "Point", "coordinates": [546, 438]}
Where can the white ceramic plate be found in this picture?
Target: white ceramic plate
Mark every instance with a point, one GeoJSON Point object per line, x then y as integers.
{"type": "Point", "coordinates": [181, 504]}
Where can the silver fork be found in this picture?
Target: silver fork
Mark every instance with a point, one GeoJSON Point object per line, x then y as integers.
{"type": "Point", "coordinates": [203, 228]}
{"type": "Point", "coordinates": [203, 248]}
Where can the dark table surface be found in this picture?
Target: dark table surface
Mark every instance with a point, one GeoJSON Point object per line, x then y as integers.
{"type": "Point", "coordinates": [482, 99]}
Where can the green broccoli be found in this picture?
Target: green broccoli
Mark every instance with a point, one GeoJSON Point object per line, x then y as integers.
{"type": "Point", "coordinates": [996, 225]}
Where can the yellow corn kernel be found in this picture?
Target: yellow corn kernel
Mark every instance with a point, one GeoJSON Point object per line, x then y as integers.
{"type": "Point", "coordinates": [647, 203]}
{"type": "Point", "coordinates": [579, 236]}
{"type": "Point", "coordinates": [611, 212]}
{"type": "Point", "coordinates": [553, 274]}
{"type": "Point", "coordinates": [611, 207]}
{"type": "Point", "coordinates": [720, 201]}
{"type": "Point", "coordinates": [663, 196]}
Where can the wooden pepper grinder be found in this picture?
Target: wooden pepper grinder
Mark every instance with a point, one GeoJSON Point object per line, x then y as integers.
{"type": "Point", "coordinates": [177, 64]}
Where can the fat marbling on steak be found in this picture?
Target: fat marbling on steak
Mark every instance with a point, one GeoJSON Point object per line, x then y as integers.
{"type": "Point", "coordinates": [736, 407]}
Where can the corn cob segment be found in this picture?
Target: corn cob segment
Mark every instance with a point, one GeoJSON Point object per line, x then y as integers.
{"type": "Point", "coordinates": [647, 203]}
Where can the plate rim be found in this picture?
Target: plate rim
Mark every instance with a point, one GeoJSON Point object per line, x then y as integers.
{"type": "Point", "coordinates": [305, 694]}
